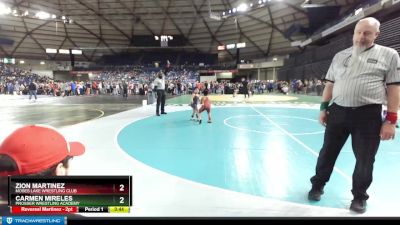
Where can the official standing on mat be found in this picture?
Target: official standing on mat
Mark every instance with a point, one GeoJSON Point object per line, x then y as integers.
{"type": "Point", "coordinates": [359, 80]}
{"type": "Point", "coordinates": [159, 84]}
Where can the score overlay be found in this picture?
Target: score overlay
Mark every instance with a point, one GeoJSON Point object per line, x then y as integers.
{"type": "Point", "coordinates": [70, 194]}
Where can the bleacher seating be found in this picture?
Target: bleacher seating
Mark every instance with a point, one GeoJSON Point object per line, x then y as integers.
{"type": "Point", "coordinates": [316, 62]}
{"type": "Point", "coordinates": [390, 34]}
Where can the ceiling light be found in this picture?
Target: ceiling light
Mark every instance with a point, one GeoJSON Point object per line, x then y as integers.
{"type": "Point", "coordinates": [241, 45]}
{"type": "Point", "coordinates": [76, 52]}
{"type": "Point", "coordinates": [42, 15]}
{"type": "Point", "coordinates": [51, 50]}
{"type": "Point", "coordinates": [230, 46]}
{"type": "Point", "coordinates": [358, 11]}
{"type": "Point", "coordinates": [221, 47]}
{"type": "Point", "coordinates": [4, 9]}
{"type": "Point", "coordinates": [242, 7]}
{"type": "Point", "coordinates": [63, 51]}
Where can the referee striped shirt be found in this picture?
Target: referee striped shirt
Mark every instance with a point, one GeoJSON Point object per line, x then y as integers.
{"type": "Point", "coordinates": [363, 83]}
{"type": "Point", "coordinates": [159, 83]}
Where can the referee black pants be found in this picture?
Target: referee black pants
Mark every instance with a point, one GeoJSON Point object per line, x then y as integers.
{"type": "Point", "coordinates": [160, 101]}
{"type": "Point", "coordinates": [363, 124]}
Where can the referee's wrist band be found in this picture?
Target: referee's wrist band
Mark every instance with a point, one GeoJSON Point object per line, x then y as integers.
{"type": "Point", "coordinates": [391, 117]}
{"type": "Point", "coordinates": [324, 106]}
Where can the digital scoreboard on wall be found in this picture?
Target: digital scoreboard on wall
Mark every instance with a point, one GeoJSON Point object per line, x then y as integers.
{"type": "Point", "coordinates": [69, 194]}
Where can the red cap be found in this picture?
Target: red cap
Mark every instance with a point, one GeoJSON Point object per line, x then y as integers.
{"type": "Point", "coordinates": [36, 148]}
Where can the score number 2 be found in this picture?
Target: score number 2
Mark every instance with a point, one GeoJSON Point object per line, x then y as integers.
{"type": "Point", "coordinates": [121, 189]}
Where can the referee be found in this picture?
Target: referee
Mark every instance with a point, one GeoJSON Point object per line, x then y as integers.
{"type": "Point", "coordinates": [159, 83]}
{"type": "Point", "coordinates": [359, 80]}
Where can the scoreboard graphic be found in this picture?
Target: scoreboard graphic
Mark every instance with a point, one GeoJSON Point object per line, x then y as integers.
{"type": "Point", "coordinates": [70, 194]}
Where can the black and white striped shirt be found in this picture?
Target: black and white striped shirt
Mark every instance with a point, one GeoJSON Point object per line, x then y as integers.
{"type": "Point", "coordinates": [363, 83]}
{"type": "Point", "coordinates": [159, 83]}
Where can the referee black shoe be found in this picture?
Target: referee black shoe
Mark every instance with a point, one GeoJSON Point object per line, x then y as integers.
{"type": "Point", "coordinates": [358, 205]}
{"type": "Point", "coordinates": [315, 194]}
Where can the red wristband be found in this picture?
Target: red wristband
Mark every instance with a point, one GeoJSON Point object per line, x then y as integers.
{"type": "Point", "coordinates": [391, 117]}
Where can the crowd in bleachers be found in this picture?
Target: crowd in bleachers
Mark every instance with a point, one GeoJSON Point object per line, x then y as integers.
{"type": "Point", "coordinates": [110, 81]}
{"type": "Point", "coordinates": [306, 86]}
{"type": "Point", "coordinates": [138, 81]}
{"type": "Point", "coordinates": [16, 81]}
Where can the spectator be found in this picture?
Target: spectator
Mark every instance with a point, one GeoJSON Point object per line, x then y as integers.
{"type": "Point", "coordinates": [34, 151]}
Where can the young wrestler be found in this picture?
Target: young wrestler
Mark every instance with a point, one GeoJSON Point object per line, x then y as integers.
{"type": "Point", "coordinates": [205, 105]}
